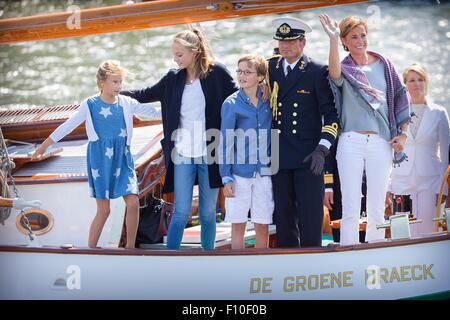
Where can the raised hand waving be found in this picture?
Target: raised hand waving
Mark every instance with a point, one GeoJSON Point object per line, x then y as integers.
{"type": "Point", "coordinates": [331, 27]}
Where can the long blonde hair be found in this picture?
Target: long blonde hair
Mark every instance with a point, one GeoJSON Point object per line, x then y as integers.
{"type": "Point", "coordinates": [195, 41]}
{"type": "Point", "coordinates": [109, 67]}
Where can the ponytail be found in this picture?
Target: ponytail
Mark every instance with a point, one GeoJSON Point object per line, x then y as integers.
{"type": "Point", "coordinates": [196, 41]}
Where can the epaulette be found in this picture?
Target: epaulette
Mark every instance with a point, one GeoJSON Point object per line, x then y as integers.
{"type": "Point", "coordinates": [274, 56]}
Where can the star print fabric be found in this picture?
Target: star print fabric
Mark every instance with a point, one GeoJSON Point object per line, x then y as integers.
{"type": "Point", "coordinates": [109, 161]}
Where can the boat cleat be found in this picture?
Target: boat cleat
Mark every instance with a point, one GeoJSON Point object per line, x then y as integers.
{"type": "Point", "coordinates": [399, 225]}
{"type": "Point", "coordinates": [445, 217]}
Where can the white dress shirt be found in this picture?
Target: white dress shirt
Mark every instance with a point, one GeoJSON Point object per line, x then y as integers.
{"type": "Point", "coordinates": [292, 65]}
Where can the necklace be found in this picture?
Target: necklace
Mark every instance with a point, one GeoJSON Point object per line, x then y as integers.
{"type": "Point", "coordinates": [190, 77]}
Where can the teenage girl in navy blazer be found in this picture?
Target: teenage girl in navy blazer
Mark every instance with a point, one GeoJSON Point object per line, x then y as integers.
{"type": "Point", "coordinates": [191, 98]}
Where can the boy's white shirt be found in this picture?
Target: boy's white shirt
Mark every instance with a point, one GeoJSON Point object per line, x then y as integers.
{"type": "Point", "coordinates": [130, 107]}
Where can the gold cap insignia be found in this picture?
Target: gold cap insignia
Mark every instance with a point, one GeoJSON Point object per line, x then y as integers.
{"type": "Point", "coordinates": [284, 29]}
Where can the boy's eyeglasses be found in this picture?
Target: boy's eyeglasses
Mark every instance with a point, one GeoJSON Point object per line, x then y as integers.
{"type": "Point", "coordinates": [244, 72]}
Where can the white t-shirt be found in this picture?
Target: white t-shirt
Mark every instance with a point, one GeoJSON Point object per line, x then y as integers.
{"type": "Point", "coordinates": [191, 134]}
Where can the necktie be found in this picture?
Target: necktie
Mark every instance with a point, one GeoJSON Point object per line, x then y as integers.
{"type": "Point", "coordinates": [289, 69]}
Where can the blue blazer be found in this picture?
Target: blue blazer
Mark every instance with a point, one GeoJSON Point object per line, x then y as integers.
{"type": "Point", "coordinates": [217, 86]}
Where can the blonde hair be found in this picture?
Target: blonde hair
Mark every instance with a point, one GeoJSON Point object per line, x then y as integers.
{"type": "Point", "coordinates": [420, 70]}
{"type": "Point", "coordinates": [195, 41]}
{"type": "Point", "coordinates": [348, 23]}
{"type": "Point", "coordinates": [257, 61]}
{"type": "Point", "coordinates": [107, 68]}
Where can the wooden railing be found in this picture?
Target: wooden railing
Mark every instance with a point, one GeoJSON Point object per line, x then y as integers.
{"type": "Point", "coordinates": [445, 182]}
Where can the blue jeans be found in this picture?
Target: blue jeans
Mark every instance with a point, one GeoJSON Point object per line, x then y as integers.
{"type": "Point", "coordinates": [184, 179]}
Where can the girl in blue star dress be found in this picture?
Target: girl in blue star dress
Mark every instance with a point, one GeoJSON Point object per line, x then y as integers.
{"type": "Point", "coordinates": [110, 166]}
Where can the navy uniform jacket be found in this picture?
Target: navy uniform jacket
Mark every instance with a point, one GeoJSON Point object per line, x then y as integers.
{"type": "Point", "coordinates": [217, 86]}
{"type": "Point", "coordinates": [303, 109]}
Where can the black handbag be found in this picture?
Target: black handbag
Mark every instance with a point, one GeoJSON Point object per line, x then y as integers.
{"type": "Point", "coordinates": [154, 221]}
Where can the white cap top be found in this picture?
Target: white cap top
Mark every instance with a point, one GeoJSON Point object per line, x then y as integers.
{"type": "Point", "coordinates": [293, 23]}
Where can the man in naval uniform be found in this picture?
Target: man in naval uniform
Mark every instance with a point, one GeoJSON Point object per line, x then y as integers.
{"type": "Point", "coordinates": [306, 120]}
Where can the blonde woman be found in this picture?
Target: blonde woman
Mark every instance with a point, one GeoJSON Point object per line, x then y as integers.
{"type": "Point", "coordinates": [427, 150]}
{"type": "Point", "coordinates": [191, 99]}
{"type": "Point", "coordinates": [110, 165]}
{"type": "Point", "coordinates": [373, 108]}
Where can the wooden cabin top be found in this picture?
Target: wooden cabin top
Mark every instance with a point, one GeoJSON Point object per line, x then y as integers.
{"type": "Point", "coordinates": [70, 163]}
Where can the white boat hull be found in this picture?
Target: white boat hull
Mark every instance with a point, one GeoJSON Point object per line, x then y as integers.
{"type": "Point", "coordinates": [67, 200]}
{"type": "Point", "coordinates": [407, 270]}
{"type": "Point", "coordinates": [72, 211]}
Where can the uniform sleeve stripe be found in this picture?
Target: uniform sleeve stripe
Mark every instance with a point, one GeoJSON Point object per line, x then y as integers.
{"type": "Point", "coordinates": [328, 179]}
{"type": "Point", "coordinates": [330, 131]}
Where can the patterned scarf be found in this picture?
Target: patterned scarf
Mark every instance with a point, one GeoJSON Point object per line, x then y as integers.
{"type": "Point", "coordinates": [397, 97]}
